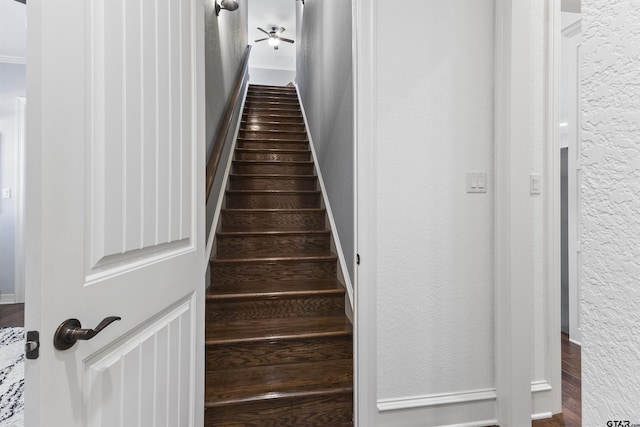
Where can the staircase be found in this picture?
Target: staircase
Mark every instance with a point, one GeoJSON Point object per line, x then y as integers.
{"type": "Point", "coordinates": [278, 343]}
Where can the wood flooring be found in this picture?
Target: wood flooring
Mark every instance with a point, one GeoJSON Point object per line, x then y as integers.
{"type": "Point", "coordinates": [571, 415]}
{"type": "Point", "coordinates": [11, 315]}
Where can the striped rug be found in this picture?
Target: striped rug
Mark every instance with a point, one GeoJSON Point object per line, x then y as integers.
{"type": "Point", "coordinates": [11, 377]}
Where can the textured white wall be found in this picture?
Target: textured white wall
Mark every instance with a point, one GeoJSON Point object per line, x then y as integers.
{"type": "Point", "coordinates": [325, 79]}
{"type": "Point", "coordinates": [435, 64]}
{"type": "Point", "coordinates": [610, 211]}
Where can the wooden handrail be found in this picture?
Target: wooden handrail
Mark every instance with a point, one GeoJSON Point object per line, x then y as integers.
{"type": "Point", "coordinates": [225, 123]}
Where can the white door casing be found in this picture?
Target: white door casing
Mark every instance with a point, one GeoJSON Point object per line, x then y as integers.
{"type": "Point", "coordinates": [572, 42]}
{"type": "Point", "coordinates": [115, 211]}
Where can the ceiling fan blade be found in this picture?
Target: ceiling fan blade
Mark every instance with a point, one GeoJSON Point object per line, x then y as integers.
{"type": "Point", "coordinates": [263, 31]}
{"type": "Point", "coordinates": [260, 40]}
{"type": "Point", "coordinates": [280, 31]}
{"type": "Point", "coordinates": [286, 40]}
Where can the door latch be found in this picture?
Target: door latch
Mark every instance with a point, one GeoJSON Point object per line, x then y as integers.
{"type": "Point", "coordinates": [32, 345]}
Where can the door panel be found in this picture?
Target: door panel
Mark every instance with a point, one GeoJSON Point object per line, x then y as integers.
{"type": "Point", "coordinates": [122, 386]}
{"type": "Point", "coordinates": [115, 211]}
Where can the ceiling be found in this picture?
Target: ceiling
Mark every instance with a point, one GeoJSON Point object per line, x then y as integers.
{"type": "Point", "coordinates": [267, 13]}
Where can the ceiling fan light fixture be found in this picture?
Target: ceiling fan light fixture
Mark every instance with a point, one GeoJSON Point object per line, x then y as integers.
{"type": "Point", "coordinates": [229, 5]}
{"type": "Point", "coordinates": [273, 41]}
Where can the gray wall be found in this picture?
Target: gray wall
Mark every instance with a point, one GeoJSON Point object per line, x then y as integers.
{"type": "Point", "coordinates": [12, 85]}
{"type": "Point", "coordinates": [226, 41]}
{"type": "Point", "coordinates": [325, 79]}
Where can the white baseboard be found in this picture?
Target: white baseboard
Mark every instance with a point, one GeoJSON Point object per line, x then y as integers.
{"type": "Point", "coordinates": [334, 229]}
{"type": "Point", "coordinates": [542, 400]}
{"type": "Point", "coordinates": [475, 408]}
{"type": "Point", "coordinates": [7, 298]}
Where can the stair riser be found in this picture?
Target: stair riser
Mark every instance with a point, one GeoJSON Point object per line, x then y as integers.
{"type": "Point", "coordinates": [272, 201]}
{"type": "Point", "coordinates": [302, 156]}
{"type": "Point", "coordinates": [276, 221]}
{"type": "Point", "coordinates": [272, 145]}
{"type": "Point", "coordinates": [272, 100]}
{"type": "Point", "coordinates": [272, 183]}
{"type": "Point", "coordinates": [329, 411]}
{"type": "Point", "coordinates": [257, 126]}
{"type": "Point", "coordinates": [279, 135]}
{"type": "Point", "coordinates": [270, 106]}
{"type": "Point", "coordinates": [269, 135]}
{"type": "Point", "coordinates": [227, 273]}
{"type": "Point", "coordinates": [263, 353]}
{"type": "Point", "coordinates": [275, 168]}
{"type": "Point", "coordinates": [255, 246]}
{"type": "Point", "coordinates": [280, 308]}
{"type": "Point", "coordinates": [288, 118]}
{"type": "Point", "coordinates": [259, 93]}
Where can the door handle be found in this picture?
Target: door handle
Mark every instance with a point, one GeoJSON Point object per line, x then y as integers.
{"type": "Point", "coordinates": [70, 331]}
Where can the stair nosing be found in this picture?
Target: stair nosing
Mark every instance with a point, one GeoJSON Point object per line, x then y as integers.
{"type": "Point", "coordinates": [257, 260]}
{"type": "Point", "coordinates": [275, 191]}
{"type": "Point", "coordinates": [273, 210]}
{"type": "Point", "coordinates": [270, 162]}
{"type": "Point", "coordinates": [278, 395]}
{"type": "Point", "coordinates": [272, 232]}
{"type": "Point", "coordinates": [272, 150]}
{"type": "Point", "coordinates": [283, 337]}
{"type": "Point", "coordinates": [297, 141]}
{"type": "Point", "coordinates": [275, 295]}
{"type": "Point", "coordinates": [275, 175]}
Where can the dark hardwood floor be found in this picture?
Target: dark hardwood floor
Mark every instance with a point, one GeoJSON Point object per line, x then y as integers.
{"type": "Point", "coordinates": [571, 415]}
{"type": "Point", "coordinates": [11, 315]}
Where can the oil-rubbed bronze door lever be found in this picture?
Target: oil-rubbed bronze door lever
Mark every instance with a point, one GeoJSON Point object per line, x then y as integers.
{"type": "Point", "coordinates": [70, 331]}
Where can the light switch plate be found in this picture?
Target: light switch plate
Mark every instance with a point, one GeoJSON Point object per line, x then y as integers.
{"type": "Point", "coordinates": [535, 184]}
{"type": "Point", "coordinates": [476, 182]}
{"type": "Point", "coordinates": [6, 193]}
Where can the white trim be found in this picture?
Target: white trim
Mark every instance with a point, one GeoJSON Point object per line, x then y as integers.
{"type": "Point", "coordinates": [364, 87]}
{"type": "Point", "coordinates": [13, 59]}
{"type": "Point", "coordinates": [552, 217]}
{"type": "Point", "coordinates": [325, 197]}
{"type": "Point", "coordinates": [573, 29]}
{"type": "Point", "coordinates": [513, 253]}
{"type": "Point", "coordinates": [436, 400]}
{"type": "Point", "coordinates": [542, 396]}
{"type": "Point", "coordinates": [19, 272]}
{"type": "Point", "coordinates": [225, 179]}
{"type": "Point", "coordinates": [578, 343]}
{"type": "Point", "coordinates": [475, 408]}
{"type": "Point", "coordinates": [7, 298]}
{"type": "Point", "coordinates": [541, 416]}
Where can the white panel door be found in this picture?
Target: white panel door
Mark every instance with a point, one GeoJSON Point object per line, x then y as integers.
{"type": "Point", "coordinates": [115, 211]}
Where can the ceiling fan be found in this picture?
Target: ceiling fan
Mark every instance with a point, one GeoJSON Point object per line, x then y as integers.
{"type": "Point", "coordinates": [274, 37]}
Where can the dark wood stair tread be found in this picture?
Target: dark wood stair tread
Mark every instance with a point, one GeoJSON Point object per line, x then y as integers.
{"type": "Point", "coordinates": [276, 329]}
{"type": "Point", "coordinates": [272, 233]}
{"type": "Point", "coordinates": [269, 382]}
{"type": "Point", "coordinates": [273, 288]}
{"type": "Point", "coordinates": [271, 162]}
{"type": "Point", "coordinates": [319, 257]}
{"type": "Point", "coordinates": [273, 150]}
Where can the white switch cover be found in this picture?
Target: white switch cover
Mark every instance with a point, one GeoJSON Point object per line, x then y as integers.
{"type": "Point", "coordinates": [535, 184]}
{"type": "Point", "coordinates": [476, 182]}
{"type": "Point", "coordinates": [6, 193]}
